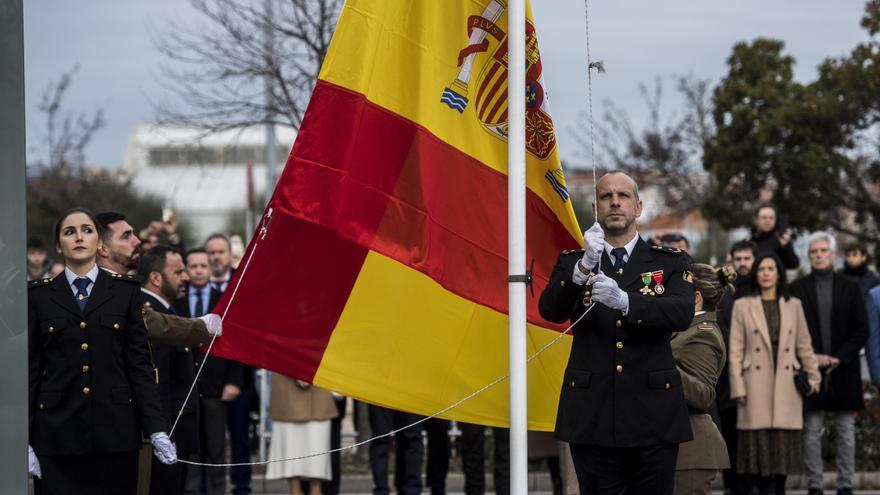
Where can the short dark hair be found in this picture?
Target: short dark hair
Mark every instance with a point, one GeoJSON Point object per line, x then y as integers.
{"type": "Point", "coordinates": [744, 245]}
{"type": "Point", "coordinates": [781, 283]}
{"type": "Point", "coordinates": [194, 250]}
{"type": "Point", "coordinates": [154, 260]}
{"type": "Point", "coordinates": [855, 246]}
{"type": "Point", "coordinates": [35, 243]}
{"type": "Point", "coordinates": [674, 237]}
{"type": "Point", "coordinates": [218, 235]}
{"type": "Point", "coordinates": [105, 218]}
{"type": "Point", "coordinates": [85, 212]}
{"type": "Point", "coordinates": [761, 207]}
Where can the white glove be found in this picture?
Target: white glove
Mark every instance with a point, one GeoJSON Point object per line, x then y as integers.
{"type": "Point", "coordinates": [594, 243]}
{"type": "Point", "coordinates": [606, 291]}
{"type": "Point", "coordinates": [34, 464]}
{"type": "Point", "coordinates": [214, 323]}
{"type": "Point", "coordinates": [164, 450]}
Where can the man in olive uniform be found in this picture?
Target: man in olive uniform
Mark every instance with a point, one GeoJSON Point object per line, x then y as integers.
{"type": "Point", "coordinates": [621, 407]}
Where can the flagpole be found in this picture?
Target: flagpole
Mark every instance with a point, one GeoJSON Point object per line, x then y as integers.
{"type": "Point", "coordinates": [516, 242]}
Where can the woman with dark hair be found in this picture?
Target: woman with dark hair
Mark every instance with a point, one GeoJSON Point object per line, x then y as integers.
{"type": "Point", "coordinates": [769, 342]}
{"type": "Point", "coordinates": [92, 392]}
{"type": "Point", "coordinates": [699, 357]}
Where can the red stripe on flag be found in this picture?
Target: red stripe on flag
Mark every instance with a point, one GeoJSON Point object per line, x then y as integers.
{"type": "Point", "coordinates": [390, 185]}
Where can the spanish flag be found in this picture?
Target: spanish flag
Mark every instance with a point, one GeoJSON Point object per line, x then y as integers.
{"type": "Point", "coordinates": [379, 268]}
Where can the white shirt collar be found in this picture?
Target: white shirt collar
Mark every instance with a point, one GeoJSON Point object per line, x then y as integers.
{"type": "Point", "coordinates": [157, 296]}
{"type": "Point", "coordinates": [92, 275]}
{"type": "Point", "coordinates": [629, 247]}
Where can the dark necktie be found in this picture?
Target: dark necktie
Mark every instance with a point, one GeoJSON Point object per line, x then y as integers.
{"type": "Point", "coordinates": [81, 295]}
{"type": "Point", "coordinates": [218, 286]}
{"type": "Point", "coordinates": [200, 304]}
{"type": "Point", "coordinates": [618, 254]}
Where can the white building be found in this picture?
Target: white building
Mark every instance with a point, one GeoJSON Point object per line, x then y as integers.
{"type": "Point", "coordinates": [204, 178]}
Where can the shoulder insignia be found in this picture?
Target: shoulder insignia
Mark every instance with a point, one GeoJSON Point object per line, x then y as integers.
{"type": "Point", "coordinates": [706, 326]}
{"type": "Point", "coordinates": [572, 251]}
{"type": "Point", "coordinates": [129, 278]}
{"type": "Point", "coordinates": [39, 282]}
{"type": "Point", "coordinates": [666, 249]}
{"type": "Point", "coordinates": [689, 276]}
{"type": "Point", "coordinates": [148, 304]}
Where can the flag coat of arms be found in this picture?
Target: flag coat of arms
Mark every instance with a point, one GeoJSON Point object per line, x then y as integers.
{"type": "Point", "coordinates": [379, 269]}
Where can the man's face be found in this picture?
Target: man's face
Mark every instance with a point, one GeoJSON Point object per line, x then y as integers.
{"type": "Point", "coordinates": [854, 258]}
{"type": "Point", "coordinates": [765, 220]}
{"type": "Point", "coordinates": [174, 277]}
{"type": "Point", "coordinates": [821, 255]}
{"type": "Point", "coordinates": [219, 256]}
{"type": "Point", "coordinates": [124, 247]}
{"type": "Point", "coordinates": [198, 269]}
{"type": "Point", "coordinates": [617, 205]}
{"type": "Point", "coordinates": [743, 261]}
{"type": "Point", "coordinates": [36, 257]}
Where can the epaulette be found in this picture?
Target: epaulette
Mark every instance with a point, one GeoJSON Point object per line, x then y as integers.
{"type": "Point", "coordinates": [39, 282]}
{"type": "Point", "coordinates": [125, 278]}
{"type": "Point", "coordinates": [705, 325]}
{"type": "Point", "coordinates": [667, 249]}
{"type": "Point", "coordinates": [572, 251]}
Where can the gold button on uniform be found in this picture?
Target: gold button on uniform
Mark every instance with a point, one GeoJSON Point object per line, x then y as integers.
{"type": "Point", "coordinates": [85, 368]}
{"type": "Point", "coordinates": [619, 345]}
{"type": "Point", "coordinates": [618, 323]}
{"type": "Point", "coordinates": [619, 368]}
{"type": "Point", "coordinates": [51, 329]}
{"type": "Point", "coordinates": [668, 386]}
{"type": "Point", "coordinates": [82, 324]}
{"type": "Point", "coordinates": [116, 326]}
{"type": "Point", "coordinates": [86, 390]}
{"type": "Point", "coordinates": [84, 346]}
{"type": "Point", "coordinates": [41, 406]}
{"type": "Point", "coordinates": [572, 383]}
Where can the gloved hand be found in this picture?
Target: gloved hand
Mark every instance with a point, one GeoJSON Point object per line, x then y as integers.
{"type": "Point", "coordinates": [164, 450]}
{"type": "Point", "coordinates": [214, 323]}
{"type": "Point", "coordinates": [606, 291]}
{"type": "Point", "coordinates": [34, 464]}
{"type": "Point", "coordinates": [594, 243]}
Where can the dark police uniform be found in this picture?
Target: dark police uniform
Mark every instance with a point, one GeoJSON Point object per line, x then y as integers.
{"type": "Point", "coordinates": [92, 395]}
{"type": "Point", "coordinates": [177, 373]}
{"type": "Point", "coordinates": [621, 407]}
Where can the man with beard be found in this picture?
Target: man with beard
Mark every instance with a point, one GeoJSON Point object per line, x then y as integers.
{"type": "Point", "coordinates": [742, 255]}
{"type": "Point", "coordinates": [163, 279]}
{"type": "Point", "coordinates": [621, 408]}
{"type": "Point", "coordinates": [120, 253]}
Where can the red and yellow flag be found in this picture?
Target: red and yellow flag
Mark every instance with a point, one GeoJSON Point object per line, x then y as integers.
{"type": "Point", "coordinates": [382, 271]}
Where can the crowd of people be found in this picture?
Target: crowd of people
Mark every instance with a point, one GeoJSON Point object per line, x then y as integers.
{"type": "Point", "coordinates": [709, 369]}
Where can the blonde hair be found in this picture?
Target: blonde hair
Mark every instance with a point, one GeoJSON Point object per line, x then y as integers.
{"type": "Point", "coordinates": [711, 282]}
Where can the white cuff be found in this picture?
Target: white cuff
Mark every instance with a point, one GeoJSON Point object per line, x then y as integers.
{"type": "Point", "coordinates": [625, 309]}
{"type": "Point", "coordinates": [578, 276]}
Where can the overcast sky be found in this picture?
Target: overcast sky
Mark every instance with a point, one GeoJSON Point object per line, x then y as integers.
{"type": "Point", "coordinates": [637, 41]}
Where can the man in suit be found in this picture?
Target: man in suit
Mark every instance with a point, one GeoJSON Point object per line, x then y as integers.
{"type": "Point", "coordinates": [621, 407]}
{"type": "Point", "coordinates": [835, 311]}
{"type": "Point", "coordinates": [163, 279]}
{"type": "Point", "coordinates": [219, 382]}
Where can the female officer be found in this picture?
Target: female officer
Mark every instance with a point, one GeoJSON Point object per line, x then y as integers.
{"type": "Point", "coordinates": [699, 356]}
{"type": "Point", "coordinates": [91, 389]}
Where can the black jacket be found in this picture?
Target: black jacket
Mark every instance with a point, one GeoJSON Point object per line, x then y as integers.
{"type": "Point", "coordinates": [742, 287]}
{"type": "Point", "coordinates": [217, 372]}
{"type": "Point", "coordinates": [176, 374]}
{"type": "Point", "coordinates": [769, 242]}
{"type": "Point", "coordinates": [621, 387]}
{"type": "Point", "coordinates": [866, 279]}
{"type": "Point", "coordinates": [91, 386]}
{"type": "Point", "coordinates": [842, 390]}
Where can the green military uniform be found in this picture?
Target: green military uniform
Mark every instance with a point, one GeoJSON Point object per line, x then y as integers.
{"type": "Point", "coordinates": [171, 329]}
{"type": "Point", "coordinates": [699, 354]}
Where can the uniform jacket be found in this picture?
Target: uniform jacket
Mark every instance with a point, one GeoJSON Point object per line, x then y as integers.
{"type": "Point", "coordinates": [169, 329]}
{"type": "Point", "coordinates": [700, 355]}
{"type": "Point", "coordinates": [177, 373]}
{"type": "Point", "coordinates": [849, 332]}
{"type": "Point", "coordinates": [217, 372]}
{"type": "Point", "coordinates": [872, 348]}
{"type": "Point", "coordinates": [292, 402]}
{"type": "Point", "coordinates": [772, 401]}
{"type": "Point", "coordinates": [91, 387]}
{"type": "Point", "coordinates": [621, 388]}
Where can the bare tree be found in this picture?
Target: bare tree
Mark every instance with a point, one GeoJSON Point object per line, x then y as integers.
{"type": "Point", "coordinates": [666, 153]}
{"type": "Point", "coordinates": [218, 70]}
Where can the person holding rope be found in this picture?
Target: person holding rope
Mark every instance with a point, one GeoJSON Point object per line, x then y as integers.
{"type": "Point", "coordinates": [621, 408]}
{"type": "Point", "coordinates": [92, 390]}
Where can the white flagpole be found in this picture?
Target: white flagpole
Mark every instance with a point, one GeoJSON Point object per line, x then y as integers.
{"type": "Point", "coordinates": [516, 243]}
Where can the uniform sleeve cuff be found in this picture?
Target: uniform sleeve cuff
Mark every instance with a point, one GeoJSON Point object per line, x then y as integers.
{"type": "Point", "coordinates": [578, 276]}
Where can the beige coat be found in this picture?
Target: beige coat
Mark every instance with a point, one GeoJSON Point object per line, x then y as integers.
{"type": "Point", "coordinates": [772, 401]}
{"type": "Point", "coordinates": [291, 402]}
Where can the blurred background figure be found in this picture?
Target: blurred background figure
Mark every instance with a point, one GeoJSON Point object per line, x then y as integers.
{"type": "Point", "coordinates": [408, 451]}
{"type": "Point", "coordinates": [56, 269]}
{"type": "Point", "coordinates": [37, 260]}
{"type": "Point", "coordinates": [675, 240]}
{"type": "Point", "coordinates": [236, 249]}
{"type": "Point", "coordinates": [855, 266]}
{"type": "Point", "coordinates": [773, 236]}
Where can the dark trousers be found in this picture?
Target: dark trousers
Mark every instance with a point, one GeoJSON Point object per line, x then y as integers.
{"type": "Point", "coordinates": [239, 421]}
{"type": "Point", "coordinates": [202, 479]}
{"type": "Point", "coordinates": [88, 474]}
{"type": "Point", "coordinates": [408, 452]}
{"type": "Point", "coordinates": [765, 485]}
{"type": "Point", "coordinates": [439, 449]}
{"type": "Point", "coordinates": [733, 481]}
{"type": "Point", "coordinates": [166, 479]}
{"type": "Point", "coordinates": [332, 487]}
{"type": "Point", "coordinates": [646, 470]}
{"type": "Point", "coordinates": [473, 459]}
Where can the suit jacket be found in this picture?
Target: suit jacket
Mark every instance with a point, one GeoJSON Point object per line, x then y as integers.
{"type": "Point", "coordinates": [699, 356]}
{"type": "Point", "coordinates": [849, 333]}
{"type": "Point", "coordinates": [217, 372]}
{"type": "Point", "coordinates": [177, 373]}
{"type": "Point", "coordinates": [723, 315]}
{"type": "Point", "coordinates": [767, 382]}
{"type": "Point", "coordinates": [621, 387]}
{"type": "Point", "coordinates": [91, 386]}
{"type": "Point", "coordinates": [872, 348]}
